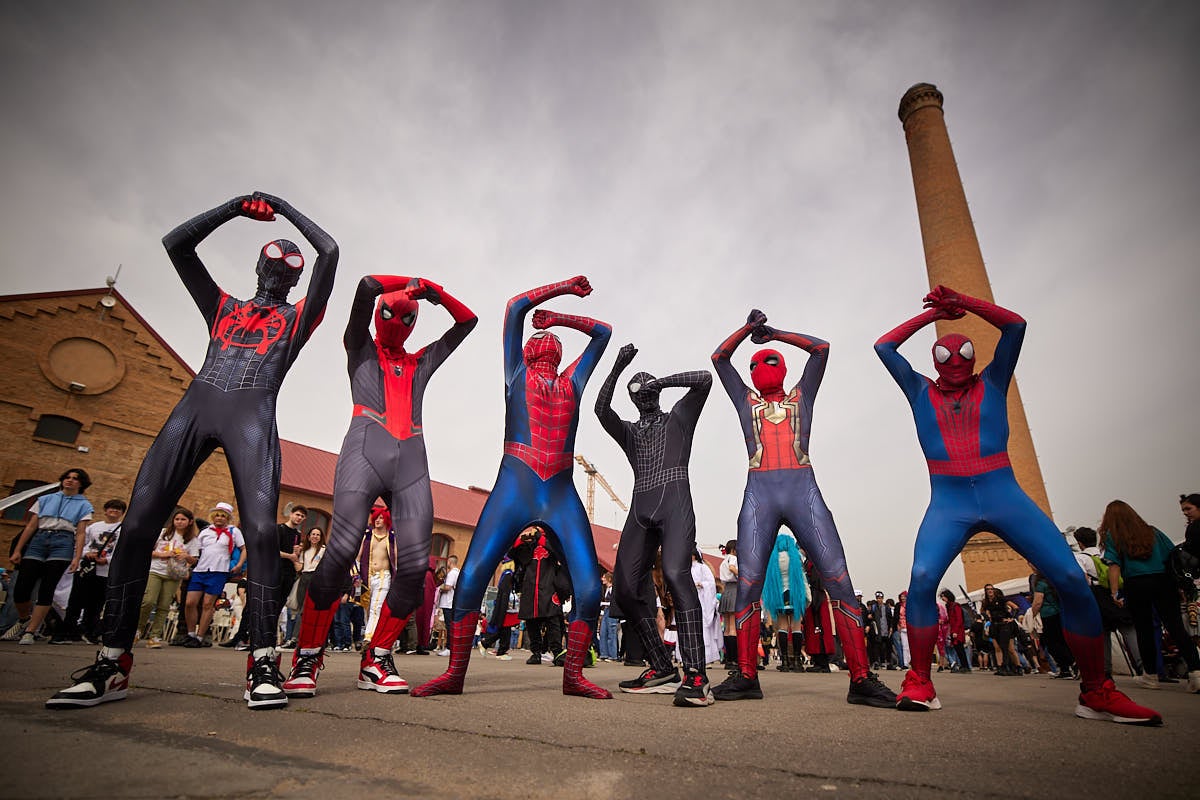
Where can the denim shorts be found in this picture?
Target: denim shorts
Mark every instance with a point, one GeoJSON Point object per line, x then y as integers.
{"type": "Point", "coordinates": [208, 582]}
{"type": "Point", "coordinates": [50, 545]}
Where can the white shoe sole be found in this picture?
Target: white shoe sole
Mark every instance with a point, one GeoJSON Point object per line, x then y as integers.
{"type": "Point", "coordinates": [303, 691]}
{"type": "Point", "coordinates": [1083, 712]}
{"type": "Point", "coordinates": [86, 702]}
{"type": "Point", "coordinates": [262, 704]}
{"type": "Point", "coordinates": [662, 688]}
{"type": "Point", "coordinates": [369, 686]}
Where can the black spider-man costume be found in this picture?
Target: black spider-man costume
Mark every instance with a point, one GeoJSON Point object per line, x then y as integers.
{"type": "Point", "coordinates": [659, 446]}
{"type": "Point", "coordinates": [534, 484]}
{"type": "Point", "coordinates": [230, 404]}
{"type": "Point", "coordinates": [962, 425]}
{"type": "Point", "coordinates": [781, 490]}
{"type": "Point", "coordinates": [383, 455]}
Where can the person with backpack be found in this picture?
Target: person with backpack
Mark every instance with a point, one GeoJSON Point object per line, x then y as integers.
{"type": "Point", "coordinates": [1138, 552]}
{"type": "Point", "coordinates": [1046, 605]}
{"type": "Point", "coordinates": [1112, 616]}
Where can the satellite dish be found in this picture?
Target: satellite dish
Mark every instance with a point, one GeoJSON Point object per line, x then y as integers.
{"type": "Point", "coordinates": [108, 301]}
{"type": "Point", "coordinates": [287, 510]}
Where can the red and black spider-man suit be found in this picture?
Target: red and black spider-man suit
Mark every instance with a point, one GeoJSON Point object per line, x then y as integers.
{"type": "Point", "coordinates": [383, 455]}
{"type": "Point", "coordinates": [781, 490]}
{"type": "Point", "coordinates": [962, 425]}
{"type": "Point", "coordinates": [658, 446]}
{"type": "Point", "coordinates": [229, 404]}
{"type": "Point", "coordinates": [534, 484]}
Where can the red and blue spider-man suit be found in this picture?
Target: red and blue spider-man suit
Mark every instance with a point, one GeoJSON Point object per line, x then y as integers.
{"type": "Point", "coordinates": [534, 485]}
{"type": "Point", "coordinates": [781, 490]}
{"type": "Point", "coordinates": [962, 425]}
{"type": "Point", "coordinates": [383, 455]}
{"type": "Point", "coordinates": [229, 404]}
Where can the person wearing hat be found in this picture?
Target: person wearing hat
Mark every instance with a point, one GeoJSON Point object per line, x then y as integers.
{"type": "Point", "coordinates": [217, 544]}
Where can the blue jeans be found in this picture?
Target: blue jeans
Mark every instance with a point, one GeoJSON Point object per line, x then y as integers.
{"type": "Point", "coordinates": [341, 626]}
{"type": "Point", "coordinates": [608, 637]}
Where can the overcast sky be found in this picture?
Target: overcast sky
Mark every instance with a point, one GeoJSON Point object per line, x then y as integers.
{"type": "Point", "coordinates": [694, 160]}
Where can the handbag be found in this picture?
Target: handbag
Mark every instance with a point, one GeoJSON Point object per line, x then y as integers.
{"type": "Point", "coordinates": [178, 569]}
{"type": "Point", "coordinates": [293, 598]}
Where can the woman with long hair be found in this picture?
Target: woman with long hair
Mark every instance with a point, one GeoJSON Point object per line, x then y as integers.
{"type": "Point", "coordinates": [311, 552]}
{"type": "Point", "coordinates": [169, 564]}
{"type": "Point", "coordinates": [1137, 552]}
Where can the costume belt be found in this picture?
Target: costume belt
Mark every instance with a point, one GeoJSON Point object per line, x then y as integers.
{"type": "Point", "coordinates": [966, 467]}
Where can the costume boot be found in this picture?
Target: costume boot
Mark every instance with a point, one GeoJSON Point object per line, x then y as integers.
{"type": "Point", "coordinates": [797, 654]}
{"type": "Point", "coordinates": [743, 683]}
{"type": "Point", "coordinates": [781, 644]}
{"type": "Point", "coordinates": [387, 629]}
{"type": "Point", "coordinates": [579, 639]}
{"type": "Point", "coordinates": [461, 634]}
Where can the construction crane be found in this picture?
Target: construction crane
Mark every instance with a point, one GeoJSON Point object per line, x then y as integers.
{"type": "Point", "coordinates": [594, 477]}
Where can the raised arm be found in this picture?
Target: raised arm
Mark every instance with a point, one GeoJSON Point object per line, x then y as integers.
{"type": "Point", "coordinates": [735, 387]}
{"type": "Point", "coordinates": [817, 349]}
{"type": "Point", "coordinates": [609, 420]}
{"type": "Point", "coordinates": [181, 245]}
{"type": "Point", "coordinates": [519, 306]}
{"type": "Point", "coordinates": [464, 318]}
{"type": "Point", "coordinates": [320, 285]}
{"type": "Point", "coordinates": [1011, 325]}
{"type": "Point", "coordinates": [698, 384]}
{"type": "Point", "coordinates": [887, 347]}
{"type": "Point", "coordinates": [581, 368]}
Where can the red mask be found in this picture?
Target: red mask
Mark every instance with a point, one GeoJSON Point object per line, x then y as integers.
{"type": "Point", "coordinates": [395, 318]}
{"type": "Point", "coordinates": [954, 360]}
{"type": "Point", "coordinates": [767, 371]}
{"type": "Point", "coordinates": [543, 352]}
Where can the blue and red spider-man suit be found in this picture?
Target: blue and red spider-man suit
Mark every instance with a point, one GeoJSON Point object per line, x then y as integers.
{"type": "Point", "coordinates": [383, 455]}
{"type": "Point", "coordinates": [962, 425]}
{"type": "Point", "coordinates": [781, 490]}
{"type": "Point", "coordinates": [535, 484]}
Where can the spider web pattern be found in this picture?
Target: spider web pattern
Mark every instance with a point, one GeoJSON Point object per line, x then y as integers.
{"type": "Point", "coordinates": [656, 650]}
{"type": "Point", "coordinates": [552, 414]}
{"type": "Point", "coordinates": [262, 605]}
{"type": "Point", "coordinates": [242, 355]}
{"type": "Point", "coordinates": [690, 630]}
{"type": "Point", "coordinates": [650, 455]}
{"type": "Point", "coordinates": [958, 419]}
{"type": "Point", "coordinates": [121, 604]}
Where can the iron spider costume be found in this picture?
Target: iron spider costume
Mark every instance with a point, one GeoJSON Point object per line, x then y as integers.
{"type": "Point", "coordinates": [383, 454]}
{"type": "Point", "coordinates": [230, 404]}
{"type": "Point", "coordinates": [534, 483]}
{"type": "Point", "coordinates": [781, 490]}
{"type": "Point", "coordinates": [962, 425]}
{"type": "Point", "coordinates": [659, 446]}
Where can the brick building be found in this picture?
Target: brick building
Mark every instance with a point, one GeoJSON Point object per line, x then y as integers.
{"type": "Point", "coordinates": [89, 384]}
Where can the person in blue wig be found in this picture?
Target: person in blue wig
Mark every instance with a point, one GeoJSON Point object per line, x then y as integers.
{"type": "Point", "coordinates": [784, 597]}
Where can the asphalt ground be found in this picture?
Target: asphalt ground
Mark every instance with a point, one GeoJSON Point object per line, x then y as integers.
{"type": "Point", "coordinates": [184, 731]}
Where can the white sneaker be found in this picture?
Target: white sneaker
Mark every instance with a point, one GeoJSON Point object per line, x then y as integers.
{"type": "Point", "coordinates": [1146, 681]}
{"type": "Point", "coordinates": [505, 657]}
{"type": "Point", "coordinates": [1194, 681]}
{"type": "Point", "coordinates": [27, 638]}
{"type": "Point", "coordinates": [444, 652]}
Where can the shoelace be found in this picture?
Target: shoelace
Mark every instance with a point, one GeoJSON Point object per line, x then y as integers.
{"type": "Point", "coordinates": [386, 664]}
{"type": "Point", "coordinates": [265, 670]}
{"type": "Point", "coordinates": [307, 665]}
{"type": "Point", "coordinates": [98, 672]}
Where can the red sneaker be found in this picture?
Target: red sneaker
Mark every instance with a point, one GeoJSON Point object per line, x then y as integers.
{"type": "Point", "coordinates": [917, 694]}
{"type": "Point", "coordinates": [1108, 704]}
{"type": "Point", "coordinates": [378, 673]}
{"type": "Point", "coordinates": [305, 669]}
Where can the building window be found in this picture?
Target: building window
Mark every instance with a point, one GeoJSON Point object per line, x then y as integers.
{"type": "Point", "coordinates": [58, 429]}
{"type": "Point", "coordinates": [440, 549]}
{"type": "Point", "coordinates": [17, 512]}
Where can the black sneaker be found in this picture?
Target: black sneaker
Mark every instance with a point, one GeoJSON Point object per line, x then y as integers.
{"type": "Point", "coordinates": [56, 639]}
{"type": "Point", "coordinates": [870, 691]}
{"type": "Point", "coordinates": [694, 691]}
{"type": "Point", "coordinates": [560, 659]}
{"type": "Point", "coordinates": [738, 687]}
{"type": "Point", "coordinates": [179, 641]}
{"type": "Point", "coordinates": [652, 682]}
{"type": "Point", "coordinates": [101, 682]}
{"type": "Point", "coordinates": [193, 643]}
{"type": "Point", "coordinates": [264, 684]}
{"type": "Point", "coordinates": [535, 658]}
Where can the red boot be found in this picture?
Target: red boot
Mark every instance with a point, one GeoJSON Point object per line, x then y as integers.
{"type": "Point", "coordinates": [309, 657]}
{"type": "Point", "coordinates": [461, 633]}
{"type": "Point", "coordinates": [579, 639]}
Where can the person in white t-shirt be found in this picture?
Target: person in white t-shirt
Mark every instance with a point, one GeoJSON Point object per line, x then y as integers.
{"type": "Point", "coordinates": [446, 596]}
{"type": "Point", "coordinates": [82, 620]}
{"type": "Point", "coordinates": [217, 544]}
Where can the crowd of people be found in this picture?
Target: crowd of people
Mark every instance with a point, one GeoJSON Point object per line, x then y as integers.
{"type": "Point", "coordinates": [1144, 584]}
